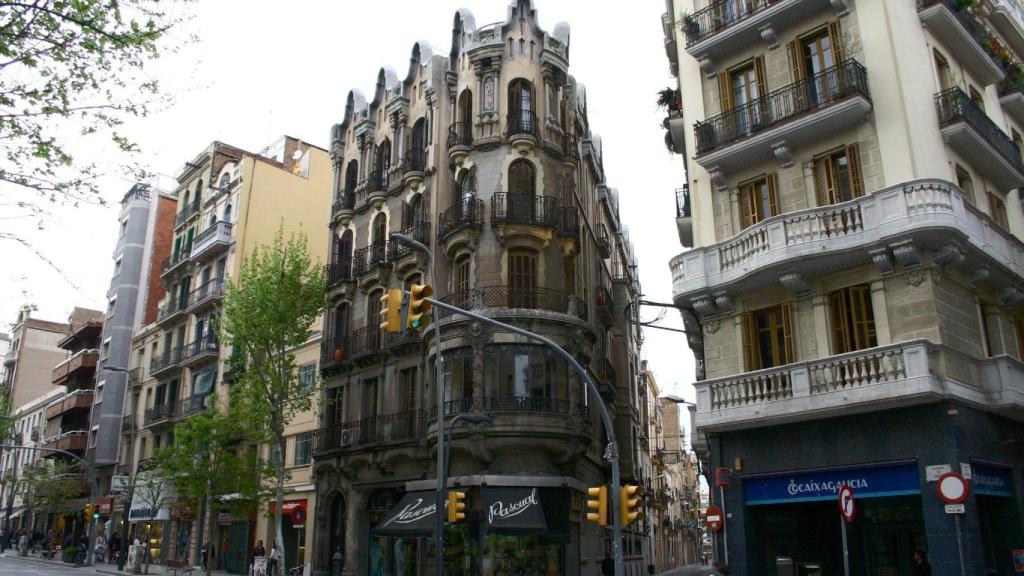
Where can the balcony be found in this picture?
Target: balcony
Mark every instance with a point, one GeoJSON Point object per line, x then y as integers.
{"type": "Point", "coordinates": [176, 262]}
{"type": "Point", "coordinates": [606, 374]}
{"type": "Point", "coordinates": [521, 124]}
{"type": "Point", "coordinates": [894, 224]}
{"type": "Point", "coordinates": [499, 297]}
{"type": "Point", "coordinates": [338, 273]}
{"type": "Point", "coordinates": [1011, 96]}
{"type": "Point", "coordinates": [604, 304]}
{"type": "Point", "coordinates": [366, 345]}
{"type": "Point", "coordinates": [369, 259]}
{"type": "Point", "coordinates": [414, 163]}
{"type": "Point", "coordinates": [200, 350]}
{"type": "Point", "coordinates": [79, 400]}
{"type": "Point", "coordinates": [604, 245]}
{"type": "Point", "coordinates": [192, 405]}
{"type": "Point", "coordinates": [964, 35]}
{"type": "Point", "coordinates": [465, 215]}
{"type": "Point", "coordinates": [968, 131]}
{"type": "Point", "coordinates": [333, 352]}
{"type": "Point", "coordinates": [375, 431]}
{"type": "Point", "coordinates": [160, 413]}
{"type": "Point", "coordinates": [212, 241]}
{"type": "Point", "coordinates": [165, 363]}
{"type": "Point", "coordinates": [526, 404]}
{"type": "Point", "coordinates": [171, 309]}
{"type": "Point", "coordinates": [901, 374]}
{"type": "Point", "coordinates": [346, 202]}
{"type": "Point", "coordinates": [1008, 19]}
{"type": "Point", "coordinates": [80, 362]}
{"type": "Point", "coordinates": [676, 125]}
{"type": "Point", "coordinates": [460, 134]}
{"type": "Point", "coordinates": [206, 296]}
{"type": "Point", "coordinates": [684, 218]}
{"type": "Point", "coordinates": [419, 231]}
{"type": "Point", "coordinates": [524, 209]}
{"type": "Point", "coordinates": [71, 441]}
{"type": "Point", "coordinates": [726, 27]}
{"type": "Point", "coordinates": [377, 187]}
{"type": "Point", "coordinates": [186, 214]}
{"type": "Point", "coordinates": [128, 424]}
{"type": "Point", "coordinates": [784, 120]}
{"type": "Point", "coordinates": [668, 27]}
{"type": "Point", "coordinates": [568, 223]}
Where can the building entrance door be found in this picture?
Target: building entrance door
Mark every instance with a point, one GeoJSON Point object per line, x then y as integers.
{"type": "Point", "coordinates": [888, 549]}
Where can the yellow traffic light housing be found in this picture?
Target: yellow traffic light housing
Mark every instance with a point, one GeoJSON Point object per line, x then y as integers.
{"type": "Point", "coordinates": [88, 511]}
{"type": "Point", "coordinates": [418, 307]}
{"type": "Point", "coordinates": [630, 502]}
{"type": "Point", "coordinates": [597, 504]}
{"type": "Point", "coordinates": [391, 311]}
{"type": "Point", "coordinates": [456, 505]}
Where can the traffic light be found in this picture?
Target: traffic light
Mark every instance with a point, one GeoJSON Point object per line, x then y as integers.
{"type": "Point", "coordinates": [89, 511]}
{"type": "Point", "coordinates": [391, 310]}
{"type": "Point", "coordinates": [630, 503]}
{"type": "Point", "coordinates": [418, 307]}
{"type": "Point", "coordinates": [597, 503]}
{"type": "Point", "coordinates": [456, 506]}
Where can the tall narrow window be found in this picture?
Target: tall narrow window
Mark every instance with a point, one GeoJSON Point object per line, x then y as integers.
{"type": "Point", "coordinates": [407, 389]}
{"type": "Point", "coordinates": [466, 107]}
{"type": "Point", "coordinates": [965, 182]}
{"type": "Point", "coordinates": [369, 398]}
{"type": "Point", "coordinates": [853, 320]}
{"type": "Point", "coordinates": [569, 272]}
{"type": "Point", "coordinates": [998, 209]}
{"type": "Point", "coordinates": [814, 53]}
{"type": "Point", "coordinates": [976, 98]}
{"type": "Point", "coordinates": [351, 181]}
{"type": "Point", "coordinates": [739, 90]}
{"type": "Point", "coordinates": [461, 280]}
{"type": "Point", "coordinates": [373, 320]}
{"type": "Point", "coordinates": [837, 176]}
{"type": "Point", "coordinates": [943, 72]}
{"type": "Point", "coordinates": [458, 379]}
{"type": "Point", "coordinates": [520, 107]}
{"type": "Point", "coordinates": [768, 339]}
{"type": "Point", "coordinates": [522, 278]}
{"type": "Point", "coordinates": [758, 200]}
{"type": "Point", "coordinates": [1018, 331]}
{"type": "Point", "coordinates": [521, 178]}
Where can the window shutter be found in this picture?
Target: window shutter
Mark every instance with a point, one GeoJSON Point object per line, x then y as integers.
{"type": "Point", "coordinates": [835, 37]}
{"type": "Point", "coordinates": [854, 169]}
{"type": "Point", "coordinates": [863, 317]}
{"type": "Point", "coordinates": [821, 181]}
{"type": "Point", "coordinates": [406, 216]}
{"type": "Point", "coordinates": [749, 342]}
{"type": "Point", "coordinates": [789, 352]}
{"type": "Point", "coordinates": [747, 205]}
{"type": "Point", "coordinates": [796, 60]}
{"type": "Point", "coordinates": [725, 91]}
{"type": "Point", "coordinates": [773, 195]}
{"type": "Point", "coordinates": [840, 329]}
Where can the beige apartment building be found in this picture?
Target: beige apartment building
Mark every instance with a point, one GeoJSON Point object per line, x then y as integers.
{"type": "Point", "coordinates": [230, 201]}
{"type": "Point", "coordinates": [33, 352]}
{"type": "Point", "coordinates": [483, 152]}
{"type": "Point", "coordinates": [854, 289]}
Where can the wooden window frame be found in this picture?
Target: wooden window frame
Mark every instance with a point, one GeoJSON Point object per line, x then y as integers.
{"type": "Point", "coordinates": [997, 210]}
{"type": "Point", "coordinates": [522, 277]}
{"type": "Point", "coordinates": [751, 202]}
{"type": "Point", "coordinates": [827, 185]}
{"type": "Point", "coordinates": [780, 319]}
{"type": "Point", "coordinates": [853, 319]}
{"type": "Point", "coordinates": [962, 175]}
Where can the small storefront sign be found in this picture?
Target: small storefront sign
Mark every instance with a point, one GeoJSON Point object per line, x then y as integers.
{"type": "Point", "coordinates": [149, 501]}
{"type": "Point", "coordinates": [105, 505]}
{"type": "Point", "coordinates": [223, 518]}
{"type": "Point", "coordinates": [992, 480]}
{"type": "Point", "coordinates": [296, 509]}
{"type": "Point", "coordinates": [412, 516]}
{"type": "Point", "coordinates": [514, 510]}
{"type": "Point", "coordinates": [815, 485]}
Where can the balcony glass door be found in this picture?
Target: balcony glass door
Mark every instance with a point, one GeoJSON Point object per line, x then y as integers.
{"type": "Point", "coordinates": [745, 85]}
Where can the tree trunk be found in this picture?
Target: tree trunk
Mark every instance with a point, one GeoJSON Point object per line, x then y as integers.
{"type": "Point", "coordinates": [208, 521]}
{"type": "Point", "coordinates": [278, 530]}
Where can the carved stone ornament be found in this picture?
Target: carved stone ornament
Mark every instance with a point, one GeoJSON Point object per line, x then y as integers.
{"type": "Point", "coordinates": [723, 301]}
{"type": "Point", "coordinates": [949, 255]}
{"type": "Point", "coordinates": [916, 277]}
{"type": "Point", "coordinates": [795, 282]}
{"type": "Point", "coordinates": [977, 276]}
{"type": "Point", "coordinates": [707, 66]}
{"type": "Point", "coordinates": [783, 153]}
{"type": "Point", "coordinates": [768, 35]}
{"type": "Point", "coordinates": [1011, 296]}
{"type": "Point", "coordinates": [842, 7]}
{"type": "Point", "coordinates": [476, 329]}
{"type": "Point", "coordinates": [906, 253]}
{"type": "Point", "coordinates": [882, 259]}
{"type": "Point", "coordinates": [712, 326]}
{"type": "Point", "coordinates": [717, 176]}
{"type": "Point", "coordinates": [703, 305]}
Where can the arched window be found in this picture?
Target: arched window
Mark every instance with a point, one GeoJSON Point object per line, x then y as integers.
{"type": "Point", "coordinates": [520, 107]}
{"type": "Point", "coordinates": [213, 219]}
{"type": "Point", "coordinates": [227, 212]}
{"type": "Point", "coordinates": [383, 164]}
{"type": "Point", "coordinates": [417, 151]}
{"type": "Point", "coordinates": [225, 179]}
{"type": "Point", "coordinates": [342, 324]}
{"type": "Point", "coordinates": [197, 196]}
{"type": "Point", "coordinates": [380, 234]}
{"type": "Point", "coordinates": [521, 178]}
{"type": "Point", "coordinates": [465, 113]}
{"type": "Point", "coordinates": [351, 180]}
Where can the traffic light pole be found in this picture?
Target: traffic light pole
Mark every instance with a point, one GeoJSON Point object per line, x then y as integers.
{"type": "Point", "coordinates": [612, 451]}
{"type": "Point", "coordinates": [93, 488]}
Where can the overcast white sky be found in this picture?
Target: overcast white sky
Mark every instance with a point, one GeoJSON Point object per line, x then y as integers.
{"type": "Point", "coordinates": [262, 69]}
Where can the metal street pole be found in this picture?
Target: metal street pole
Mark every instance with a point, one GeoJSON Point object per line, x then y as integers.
{"type": "Point", "coordinates": [439, 383]}
{"type": "Point", "coordinates": [93, 485]}
{"type": "Point", "coordinates": [121, 555]}
{"type": "Point", "coordinates": [612, 450]}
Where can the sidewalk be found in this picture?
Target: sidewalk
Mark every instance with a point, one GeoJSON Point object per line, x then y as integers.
{"type": "Point", "coordinates": [109, 569]}
{"type": "Point", "coordinates": [692, 570]}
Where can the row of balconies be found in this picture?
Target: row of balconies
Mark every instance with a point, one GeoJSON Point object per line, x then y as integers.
{"type": "Point", "coordinates": [70, 441]}
{"type": "Point", "coordinates": [521, 128]}
{"type": "Point", "coordinates": [176, 410]}
{"type": "Point", "coordinates": [210, 242]}
{"type": "Point", "coordinates": [77, 401]}
{"type": "Point", "coordinates": [194, 302]}
{"type": "Point", "coordinates": [904, 373]}
{"type": "Point", "coordinates": [202, 349]}
{"type": "Point", "coordinates": [80, 362]}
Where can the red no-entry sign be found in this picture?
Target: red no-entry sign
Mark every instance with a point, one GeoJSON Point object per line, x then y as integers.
{"type": "Point", "coordinates": [952, 488]}
{"type": "Point", "coordinates": [714, 518]}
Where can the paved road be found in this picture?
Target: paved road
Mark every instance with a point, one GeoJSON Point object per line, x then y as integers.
{"type": "Point", "coordinates": [12, 566]}
{"type": "Point", "coordinates": [697, 570]}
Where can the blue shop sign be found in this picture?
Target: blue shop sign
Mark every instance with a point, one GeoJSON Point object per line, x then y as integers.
{"type": "Point", "coordinates": [814, 485]}
{"type": "Point", "coordinates": [989, 480]}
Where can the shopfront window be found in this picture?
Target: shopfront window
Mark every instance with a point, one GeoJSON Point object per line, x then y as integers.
{"type": "Point", "coordinates": [521, 555]}
{"type": "Point", "coordinates": [389, 555]}
{"type": "Point", "coordinates": [524, 378]}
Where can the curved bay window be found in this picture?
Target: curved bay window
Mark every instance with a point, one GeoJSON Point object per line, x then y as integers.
{"type": "Point", "coordinates": [521, 116]}
{"type": "Point", "coordinates": [524, 378]}
{"type": "Point", "coordinates": [351, 181]}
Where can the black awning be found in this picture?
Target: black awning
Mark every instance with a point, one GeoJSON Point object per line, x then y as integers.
{"type": "Point", "coordinates": [412, 516]}
{"type": "Point", "coordinates": [514, 510]}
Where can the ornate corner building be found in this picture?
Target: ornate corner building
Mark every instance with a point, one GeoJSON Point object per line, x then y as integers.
{"type": "Point", "coordinates": [854, 290]}
{"type": "Point", "coordinates": [486, 156]}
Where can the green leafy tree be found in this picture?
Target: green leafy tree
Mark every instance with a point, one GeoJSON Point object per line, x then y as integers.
{"type": "Point", "coordinates": [209, 460]}
{"type": "Point", "coordinates": [268, 314]}
{"type": "Point", "coordinates": [151, 489]}
{"type": "Point", "coordinates": [55, 486]}
{"type": "Point", "coordinates": [73, 71]}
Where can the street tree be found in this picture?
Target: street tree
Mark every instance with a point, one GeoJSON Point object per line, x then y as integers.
{"type": "Point", "coordinates": [151, 489]}
{"type": "Point", "coordinates": [211, 464]}
{"type": "Point", "coordinates": [54, 486]}
{"type": "Point", "coordinates": [268, 313]}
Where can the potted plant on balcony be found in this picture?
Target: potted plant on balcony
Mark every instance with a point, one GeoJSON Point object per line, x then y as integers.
{"type": "Point", "coordinates": [339, 354]}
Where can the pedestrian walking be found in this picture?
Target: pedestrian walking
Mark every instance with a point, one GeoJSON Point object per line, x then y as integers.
{"type": "Point", "coordinates": [921, 566]}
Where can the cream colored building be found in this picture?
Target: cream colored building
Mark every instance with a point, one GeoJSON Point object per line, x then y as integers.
{"type": "Point", "coordinates": [855, 284]}
{"type": "Point", "coordinates": [230, 202]}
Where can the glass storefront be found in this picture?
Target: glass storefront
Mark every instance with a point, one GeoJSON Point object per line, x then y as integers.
{"type": "Point", "coordinates": [395, 556]}
{"type": "Point", "coordinates": [150, 534]}
{"type": "Point", "coordinates": [527, 555]}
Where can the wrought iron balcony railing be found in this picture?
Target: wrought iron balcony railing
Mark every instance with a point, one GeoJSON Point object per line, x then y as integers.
{"type": "Point", "coordinates": [460, 134]}
{"type": "Point", "coordinates": [366, 259]}
{"type": "Point", "coordinates": [365, 341]}
{"type": "Point", "coordinates": [419, 231]}
{"type": "Point", "coordinates": [415, 160]}
{"type": "Point", "coordinates": [819, 91]}
{"type": "Point", "coordinates": [683, 201]}
{"type": "Point", "coordinates": [467, 213]}
{"type": "Point", "coordinates": [339, 272]}
{"type": "Point", "coordinates": [509, 208]}
{"type": "Point", "coordinates": [718, 16]}
{"type": "Point", "coordinates": [521, 123]}
{"type": "Point", "coordinates": [525, 404]}
{"type": "Point", "coordinates": [377, 181]}
{"type": "Point", "coordinates": [954, 105]}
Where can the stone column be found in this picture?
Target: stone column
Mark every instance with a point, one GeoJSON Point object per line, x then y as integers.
{"type": "Point", "coordinates": [821, 332]}
{"type": "Point", "coordinates": [356, 532]}
{"type": "Point", "coordinates": [881, 313]}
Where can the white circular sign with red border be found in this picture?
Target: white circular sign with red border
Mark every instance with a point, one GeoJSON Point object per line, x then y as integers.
{"type": "Point", "coordinates": [847, 503]}
{"type": "Point", "coordinates": [952, 488]}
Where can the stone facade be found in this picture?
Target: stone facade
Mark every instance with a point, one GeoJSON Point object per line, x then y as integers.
{"type": "Point", "coordinates": [487, 157]}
